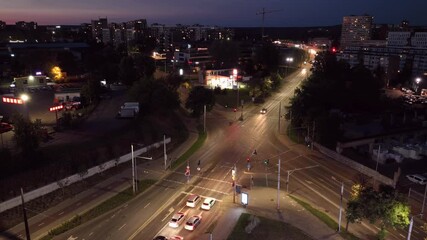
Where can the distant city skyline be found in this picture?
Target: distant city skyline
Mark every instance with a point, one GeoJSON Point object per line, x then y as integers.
{"type": "Point", "coordinates": [227, 13]}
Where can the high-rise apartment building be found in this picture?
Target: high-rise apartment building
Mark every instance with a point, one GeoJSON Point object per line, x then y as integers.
{"type": "Point", "coordinates": [97, 26]}
{"type": "Point", "coordinates": [356, 30]}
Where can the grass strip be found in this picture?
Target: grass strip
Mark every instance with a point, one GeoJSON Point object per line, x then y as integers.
{"type": "Point", "coordinates": [196, 146]}
{"type": "Point", "coordinates": [325, 218]}
{"type": "Point", "coordinates": [109, 204]}
{"type": "Point", "coordinates": [266, 229]}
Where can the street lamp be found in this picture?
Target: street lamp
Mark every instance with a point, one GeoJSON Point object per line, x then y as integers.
{"type": "Point", "coordinates": [341, 202]}
{"type": "Point", "coordinates": [288, 61]}
{"type": "Point", "coordinates": [25, 98]}
{"type": "Point", "coordinates": [417, 83]}
{"type": "Point", "coordinates": [135, 170]}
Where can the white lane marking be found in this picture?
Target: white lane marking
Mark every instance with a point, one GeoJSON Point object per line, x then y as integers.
{"type": "Point", "coordinates": [113, 215]}
{"type": "Point", "coordinates": [90, 234]}
{"type": "Point", "coordinates": [203, 196]}
{"type": "Point", "coordinates": [169, 212]}
{"type": "Point", "coordinates": [147, 205]}
{"type": "Point", "coordinates": [72, 238]}
{"type": "Point", "coordinates": [195, 186]}
{"type": "Point", "coordinates": [41, 224]}
{"type": "Point", "coordinates": [59, 214]}
{"type": "Point", "coordinates": [120, 228]}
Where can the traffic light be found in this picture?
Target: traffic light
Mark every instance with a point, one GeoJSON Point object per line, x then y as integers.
{"type": "Point", "coordinates": [266, 161]}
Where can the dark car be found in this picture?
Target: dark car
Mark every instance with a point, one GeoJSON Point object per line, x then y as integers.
{"type": "Point", "coordinates": [160, 238]}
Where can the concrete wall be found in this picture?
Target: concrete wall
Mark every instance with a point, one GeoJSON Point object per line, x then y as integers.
{"type": "Point", "coordinates": [14, 202]}
{"type": "Point", "coordinates": [355, 165]}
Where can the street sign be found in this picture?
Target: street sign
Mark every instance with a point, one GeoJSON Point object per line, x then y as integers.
{"type": "Point", "coordinates": [13, 100]}
{"type": "Point", "coordinates": [56, 108]}
{"type": "Point", "coordinates": [187, 171]}
{"type": "Point", "coordinates": [245, 198]}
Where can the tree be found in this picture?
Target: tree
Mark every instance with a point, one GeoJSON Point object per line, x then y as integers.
{"type": "Point", "coordinates": [144, 65]}
{"type": "Point", "coordinates": [198, 97]}
{"type": "Point", "coordinates": [91, 90]}
{"type": "Point", "coordinates": [173, 81]}
{"type": "Point", "coordinates": [26, 134]}
{"type": "Point", "coordinates": [383, 206]}
{"type": "Point", "coordinates": [154, 95]}
{"type": "Point", "coordinates": [127, 71]}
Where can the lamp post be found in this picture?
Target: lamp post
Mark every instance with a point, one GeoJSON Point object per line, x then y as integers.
{"type": "Point", "coordinates": [288, 61]}
{"type": "Point", "coordinates": [135, 170]}
{"type": "Point", "coordinates": [233, 177]}
{"type": "Point", "coordinates": [25, 98]}
{"type": "Point", "coordinates": [417, 83]}
{"type": "Point", "coordinates": [293, 170]}
{"type": "Point", "coordinates": [341, 202]}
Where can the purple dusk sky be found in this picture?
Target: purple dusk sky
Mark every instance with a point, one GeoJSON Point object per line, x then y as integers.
{"type": "Point", "coordinates": [232, 13]}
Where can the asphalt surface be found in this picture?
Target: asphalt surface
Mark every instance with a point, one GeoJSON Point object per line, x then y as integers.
{"type": "Point", "coordinates": [312, 177]}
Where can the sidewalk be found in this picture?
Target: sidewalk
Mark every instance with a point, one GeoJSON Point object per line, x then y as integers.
{"type": "Point", "coordinates": [263, 202]}
{"type": "Point", "coordinates": [43, 222]}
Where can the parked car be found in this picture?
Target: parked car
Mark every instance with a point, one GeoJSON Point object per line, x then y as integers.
{"type": "Point", "coordinates": [193, 200]}
{"type": "Point", "coordinates": [208, 203]}
{"type": "Point", "coordinates": [192, 223]}
{"type": "Point", "coordinates": [176, 220]}
{"type": "Point", "coordinates": [160, 238]}
{"type": "Point", "coordinates": [417, 178]}
{"type": "Point", "coordinates": [176, 237]}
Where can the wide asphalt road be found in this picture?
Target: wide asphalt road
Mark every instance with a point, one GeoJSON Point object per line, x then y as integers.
{"type": "Point", "coordinates": [312, 177]}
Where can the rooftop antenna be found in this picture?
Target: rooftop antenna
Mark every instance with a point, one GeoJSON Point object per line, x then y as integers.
{"type": "Point", "coordinates": [263, 12]}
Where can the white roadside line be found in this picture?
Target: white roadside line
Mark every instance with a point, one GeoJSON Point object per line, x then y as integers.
{"type": "Point", "coordinates": [171, 199]}
{"type": "Point", "coordinates": [120, 228]}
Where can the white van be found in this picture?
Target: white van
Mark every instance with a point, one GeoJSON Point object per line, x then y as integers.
{"type": "Point", "coordinates": [131, 105]}
{"type": "Point", "coordinates": [417, 178]}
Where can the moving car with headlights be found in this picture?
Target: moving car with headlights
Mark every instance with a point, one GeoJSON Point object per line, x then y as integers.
{"type": "Point", "coordinates": [208, 203]}
{"type": "Point", "coordinates": [176, 220]}
{"type": "Point", "coordinates": [192, 223]}
{"type": "Point", "coordinates": [263, 111]}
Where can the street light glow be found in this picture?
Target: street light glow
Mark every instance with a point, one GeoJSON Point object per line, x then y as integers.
{"type": "Point", "coordinates": [25, 97]}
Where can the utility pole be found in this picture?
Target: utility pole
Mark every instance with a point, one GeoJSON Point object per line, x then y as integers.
{"type": "Point", "coordinates": [164, 150]}
{"type": "Point", "coordinates": [411, 223]}
{"type": "Point", "coordinates": [280, 107]}
{"type": "Point", "coordinates": [424, 201]}
{"type": "Point", "coordinates": [204, 118]}
{"type": "Point", "coordinates": [133, 170]}
{"type": "Point", "coordinates": [312, 139]}
{"type": "Point", "coordinates": [27, 229]}
{"type": "Point", "coordinates": [376, 166]}
{"type": "Point", "coordinates": [278, 186]}
{"type": "Point", "coordinates": [340, 214]}
{"type": "Point", "coordinates": [233, 176]}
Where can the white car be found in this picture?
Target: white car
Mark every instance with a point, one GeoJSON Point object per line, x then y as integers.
{"type": "Point", "coordinates": [417, 178]}
{"type": "Point", "coordinates": [193, 222]}
{"type": "Point", "coordinates": [208, 203]}
{"type": "Point", "coordinates": [176, 220]}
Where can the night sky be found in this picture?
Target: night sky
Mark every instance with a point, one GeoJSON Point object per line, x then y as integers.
{"type": "Point", "coordinates": [227, 13]}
